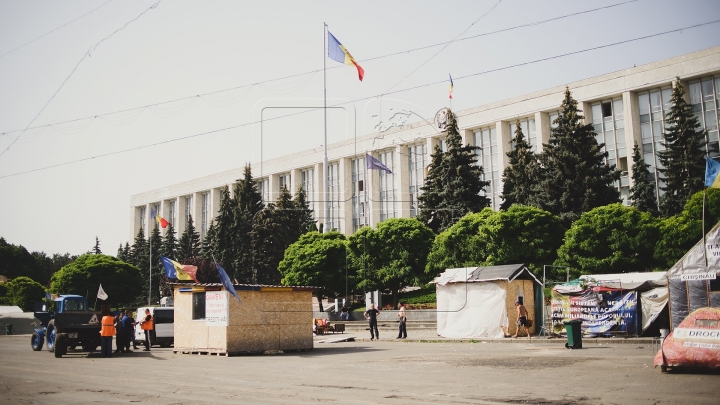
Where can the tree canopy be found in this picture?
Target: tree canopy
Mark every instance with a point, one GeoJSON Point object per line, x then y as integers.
{"type": "Point", "coordinates": [642, 193]}
{"type": "Point", "coordinates": [24, 292]}
{"type": "Point", "coordinates": [520, 177]}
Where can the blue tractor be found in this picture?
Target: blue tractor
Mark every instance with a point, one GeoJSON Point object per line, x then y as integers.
{"type": "Point", "coordinates": [66, 323]}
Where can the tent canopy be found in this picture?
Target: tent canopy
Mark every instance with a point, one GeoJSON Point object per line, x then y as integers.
{"type": "Point", "coordinates": [506, 272]}
{"type": "Point", "coordinates": [625, 281]}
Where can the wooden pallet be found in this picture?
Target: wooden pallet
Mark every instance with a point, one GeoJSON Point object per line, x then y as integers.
{"type": "Point", "coordinates": [228, 354]}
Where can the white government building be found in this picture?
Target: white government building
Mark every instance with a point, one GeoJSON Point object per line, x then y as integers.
{"type": "Point", "coordinates": [625, 107]}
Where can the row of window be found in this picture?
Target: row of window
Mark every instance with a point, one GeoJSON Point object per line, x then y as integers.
{"type": "Point", "coordinates": [205, 214]}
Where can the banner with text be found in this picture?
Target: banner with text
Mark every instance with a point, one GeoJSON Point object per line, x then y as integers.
{"type": "Point", "coordinates": [601, 311]}
{"type": "Point", "coordinates": [216, 308]}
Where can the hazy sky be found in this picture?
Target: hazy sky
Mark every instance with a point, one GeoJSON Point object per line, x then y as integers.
{"type": "Point", "coordinates": [181, 49]}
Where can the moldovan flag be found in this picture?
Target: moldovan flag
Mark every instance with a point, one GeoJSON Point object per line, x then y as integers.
{"type": "Point", "coordinates": [337, 52]}
{"type": "Point", "coordinates": [712, 171]}
{"type": "Point", "coordinates": [163, 223]}
{"type": "Point", "coordinates": [451, 85]}
{"type": "Point", "coordinates": [101, 294]}
{"type": "Point", "coordinates": [179, 271]}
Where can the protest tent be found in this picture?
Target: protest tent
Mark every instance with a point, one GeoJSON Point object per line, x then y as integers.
{"type": "Point", "coordinates": [474, 302]}
{"type": "Point", "coordinates": [623, 303]}
{"type": "Point", "coordinates": [208, 319]}
{"type": "Point", "coordinates": [692, 281]}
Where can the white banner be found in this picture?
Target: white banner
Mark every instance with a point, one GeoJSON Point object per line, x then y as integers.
{"type": "Point", "coordinates": [698, 276]}
{"type": "Point", "coordinates": [216, 308]}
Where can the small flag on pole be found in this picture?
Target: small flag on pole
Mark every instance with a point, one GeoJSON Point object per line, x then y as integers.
{"type": "Point", "coordinates": [179, 271]}
{"type": "Point", "coordinates": [160, 220]}
{"type": "Point", "coordinates": [101, 294]}
{"type": "Point", "coordinates": [712, 171]}
{"type": "Point", "coordinates": [226, 281]}
{"type": "Point", "coordinates": [338, 53]}
{"type": "Point", "coordinates": [373, 164]}
{"type": "Point", "coordinates": [451, 85]}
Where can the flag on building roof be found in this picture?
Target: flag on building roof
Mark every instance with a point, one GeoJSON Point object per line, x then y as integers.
{"type": "Point", "coordinates": [373, 164]}
{"type": "Point", "coordinates": [160, 220]}
{"type": "Point", "coordinates": [226, 281]}
{"type": "Point", "coordinates": [101, 294]}
{"type": "Point", "coordinates": [712, 172]}
{"type": "Point", "coordinates": [337, 52]}
{"type": "Point", "coordinates": [179, 271]}
{"type": "Point", "coordinates": [451, 85]}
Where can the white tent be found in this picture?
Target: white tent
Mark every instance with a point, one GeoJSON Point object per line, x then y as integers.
{"type": "Point", "coordinates": [472, 302]}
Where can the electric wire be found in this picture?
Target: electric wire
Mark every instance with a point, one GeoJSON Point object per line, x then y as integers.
{"type": "Point", "coordinates": [310, 109]}
{"type": "Point", "coordinates": [329, 68]}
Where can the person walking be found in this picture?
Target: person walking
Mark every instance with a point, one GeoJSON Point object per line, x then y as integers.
{"type": "Point", "coordinates": [402, 328]}
{"type": "Point", "coordinates": [521, 319]}
{"type": "Point", "coordinates": [147, 325]}
{"type": "Point", "coordinates": [119, 334]}
{"type": "Point", "coordinates": [107, 331]}
{"type": "Point", "coordinates": [128, 325]}
{"type": "Point", "coordinates": [371, 315]}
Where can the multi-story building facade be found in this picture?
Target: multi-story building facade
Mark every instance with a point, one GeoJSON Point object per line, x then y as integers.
{"type": "Point", "coordinates": [625, 107]}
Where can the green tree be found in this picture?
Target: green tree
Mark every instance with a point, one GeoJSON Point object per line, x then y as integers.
{"type": "Point", "coordinates": [120, 280]}
{"type": "Point", "coordinates": [24, 292]}
{"type": "Point", "coordinates": [682, 163]}
{"type": "Point", "coordinates": [169, 247]}
{"type": "Point", "coordinates": [364, 259]}
{"type": "Point", "coordinates": [520, 177]}
{"type": "Point", "coordinates": [459, 245]}
{"type": "Point", "coordinates": [610, 239]}
{"type": "Point", "coordinates": [225, 228]}
{"type": "Point", "coordinates": [16, 261]}
{"type": "Point", "coordinates": [678, 234]}
{"type": "Point", "coordinates": [575, 178]}
{"type": "Point", "coordinates": [96, 249]}
{"type": "Point", "coordinates": [268, 243]}
{"type": "Point", "coordinates": [121, 253]}
{"type": "Point", "coordinates": [316, 259]}
{"type": "Point", "coordinates": [189, 244]}
{"type": "Point", "coordinates": [642, 193]}
{"type": "Point", "coordinates": [453, 185]}
{"type": "Point", "coordinates": [45, 266]}
{"type": "Point", "coordinates": [158, 270]}
{"type": "Point", "coordinates": [209, 244]}
{"type": "Point", "coordinates": [694, 209]}
{"type": "Point", "coordinates": [304, 215]}
{"type": "Point", "coordinates": [140, 251]}
{"type": "Point", "coordinates": [248, 202]}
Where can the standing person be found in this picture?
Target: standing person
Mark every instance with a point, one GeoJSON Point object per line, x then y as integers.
{"type": "Point", "coordinates": [371, 315]}
{"type": "Point", "coordinates": [402, 328]}
{"type": "Point", "coordinates": [128, 325]}
{"type": "Point", "coordinates": [147, 325]}
{"type": "Point", "coordinates": [107, 331]}
{"type": "Point", "coordinates": [521, 319]}
{"type": "Point", "coordinates": [119, 334]}
{"type": "Point", "coordinates": [132, 330]}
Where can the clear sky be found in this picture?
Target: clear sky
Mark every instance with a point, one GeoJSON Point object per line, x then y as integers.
{"type": "Point", "coordinates": [181, 49]}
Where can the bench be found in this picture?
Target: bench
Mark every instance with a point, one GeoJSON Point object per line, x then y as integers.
{"type": "Point", "coordinates": [322, 327]}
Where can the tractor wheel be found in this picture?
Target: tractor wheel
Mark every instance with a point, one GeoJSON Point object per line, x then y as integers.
{"type": "Point", "coordinates": [36, 342]}
{"type": "Point", "coordinates": [51, 338]}
{"type": "Point", "coordinates": [60, 346]}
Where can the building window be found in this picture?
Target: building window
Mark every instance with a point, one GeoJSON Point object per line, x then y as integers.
{"type": "Point", "coordinates": [334, 198]}
{"type": "Point", "coordinates": [388, 193]}
{"type": "Point", "coordinates": [609, 125]}
{"type": "Point", "coordinates": [307, 184]}
{"type": "Point", "coordinates": [205, 214]}
{"type": "Point", "coordinates": [264, 190]}
{"type": "Point", "coordinates": [198, 305]}
{"type": "Point", "coordinates": [284, 180]}
{"type": "Point", "coordinates": [155, 207]}
{"type": "Point", "coordinates": [359, 196]}
{"type": "Point", "coordinates": [486, 140]}
{"type": "Point", "coordinates": [705, 101]}
{"type": "Point", "coordinates": [443, 144]}
{"type": "Point", "coordinates": [188, 210]}
{"type": "Point", "coordinates": [142, 218]}
{"type": "Point", "coordinates": [528, 129]}
{"type": "Point", "coordinates": [652, 106]}
{"type": "Point", "coordinates": [552, 116]}
{"type": "Point", "coordinates": [417, 162]}
{"type": "Point", "coordinates": [171, 213]}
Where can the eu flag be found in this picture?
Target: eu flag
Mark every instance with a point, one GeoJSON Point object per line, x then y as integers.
{"type": "Point", "coordinates": [226, 282]}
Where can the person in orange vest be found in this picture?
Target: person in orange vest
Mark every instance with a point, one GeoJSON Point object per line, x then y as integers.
{"type": "Point", "coordinates": [147, 325]}
{"type": "Point", "coordinates": [107, 331]}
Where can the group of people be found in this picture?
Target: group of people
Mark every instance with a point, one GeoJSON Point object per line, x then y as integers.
{"type": "Point", "coordinates": [371, 315]}
{"type": "Point", "coordinates": [122, 327]}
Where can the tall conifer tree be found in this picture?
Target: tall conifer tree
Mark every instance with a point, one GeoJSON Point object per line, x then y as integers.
{"type": "Point", "coordinates": [248, 203]}
{"type": "Point", "coordinates": [304, 215]}
{"type": "Point", "coordinates": [120, 253]}
{"type": "Point", "coordinates": [683, 159]}
{"type": "Point", "coordinates": [575, 177]}
{"type": "Point", "coordinates": [453, 185]}
{"type": "Point", "coordinates": [642, 193]}
{"type": "Point", "coordinates": [157, 267]}
{"type": "Point", "coordinates": [520, 178]}
{"type": "Point", "coordinates": [225, 227]}
{"type": "Point", "coordinates": [189, 244]}
{"type": "Point", "coordinates": [209, 244]}
{"type": "Point", "coordinates": [169, 247]}
{"type": "Point", "coordinates": [139, 253]}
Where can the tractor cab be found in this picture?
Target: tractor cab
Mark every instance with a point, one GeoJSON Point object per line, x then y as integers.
{"type": "Point", "coordinates": [45, 311]}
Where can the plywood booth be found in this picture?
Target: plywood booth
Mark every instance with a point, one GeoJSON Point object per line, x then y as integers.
{"type": "Point", "coordinates": [479, 302]}
{"type": "Point", "coordinates": [208, 319]}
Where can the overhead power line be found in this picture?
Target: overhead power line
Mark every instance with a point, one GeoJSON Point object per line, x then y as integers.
{"type": "Point", "coordinates": [319, 70]}
{"type": "Point", "coordinates": [310, 109]}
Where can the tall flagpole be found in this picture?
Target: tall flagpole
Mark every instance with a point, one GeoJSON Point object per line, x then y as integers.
{"type": "Point", "coordinates": [326, 182]}
{"type": "Point", "coordinates": [150, 270]}
{"type": "Point", "coordinates": [703, 230]}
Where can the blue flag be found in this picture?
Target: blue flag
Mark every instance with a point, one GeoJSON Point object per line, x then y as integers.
{"type": "Point", "coordinates": [372, 163]}
{"type": "Point", "coordinates": [712, 169]}
{"type": "Point", "coordinates": [47, 296]}
{"type": "Point", "coordinates": [169, 267]}
{"type": "Point", "coordinates": [226, 282]}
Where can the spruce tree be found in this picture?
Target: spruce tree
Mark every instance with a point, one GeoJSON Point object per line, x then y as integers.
{"type": "Point", "coordinates": [127, 252]}
{"type": "Point", "coordinates": [189, 244]}
{"type": "Point", "coordinates": [520, 178]}
{"type": "Point", "coordinates": [120, 253]}
{"type": "Point", "coordinates": [139, 253]}
{"type": "Point", "coordinates": [209, 244]}
{"type": "Point", "coordinates": [268, 245]}
{"type": "Point", "coordinates": [683, 160]}
{"type": "Point", "coordinates": [169, 247]}
{"type": "Point", "coordinates": [304, 215]}
{"type": "Point", "coordinates": [453, 186]}
{"type": "Point", "coordinates": [248, 202]}
{"type": "Point", "coordinates": [155, 244]}
{"type": "Point", "coordinates": [642, 193]}
{"type": "Point", "coordinates": [575, 177]}
{"type": "Point", "coordinates": [224, 230]}
{"type": "Point", "coordinates": [96, 249]}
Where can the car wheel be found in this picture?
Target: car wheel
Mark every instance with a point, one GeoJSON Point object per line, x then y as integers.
{"type": "Point", "coordinates": [36, 342]}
